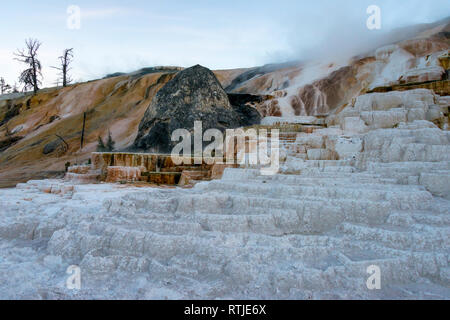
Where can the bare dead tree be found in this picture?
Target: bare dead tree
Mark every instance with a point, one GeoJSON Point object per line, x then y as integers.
{"type": "Point", "coordinates": [65, 61]}
{"type": "Point", "coordinates": [4, 87]}
{"type": "Point", "coordinates": [82, 131]}
{"type": "Point", "coordinates": [30, 76]}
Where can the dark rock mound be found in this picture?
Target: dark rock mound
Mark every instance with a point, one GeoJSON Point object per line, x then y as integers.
{"type": "Point", "coordinates": [239, 99]}
{"type": "Point", "coordinates": [51, 147]}
{"type": "Point", "coordinates": [242, 105]}
{"type": "Point", "coordinates": [194, 94]}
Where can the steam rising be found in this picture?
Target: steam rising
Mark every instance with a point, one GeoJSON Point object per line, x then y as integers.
{"type": "Point", "coordinates": [339, 31]}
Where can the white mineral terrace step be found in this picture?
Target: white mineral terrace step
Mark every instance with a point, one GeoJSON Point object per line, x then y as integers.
{"type": "Point", "coordinates": [408, 166]}
{"type": "Point", "coordinates": [400, 238]}
{"type": "Point", "coordinates": [292, 120]}
{"type": "Point", "coordinates": [297, 167]}
{"type": "Point", "coordinates": [419, 219]}
{"type": "Point", "coordinates": [399, 196]}
{"type": "Point", "coordinates": [369, 180]}
{"type": "Point", "coordinates": [308, 175]}
{"type": "Point", "coordinates": [321, 163]}
{"type": "Point", "coordinates": [297, 156]}
{"type": "Point", "coordinates": [300, 214]}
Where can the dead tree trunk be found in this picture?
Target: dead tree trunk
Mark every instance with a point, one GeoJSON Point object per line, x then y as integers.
{"type": "Point", "coordinates": [65, 60]}
{"type": "Point", "coordinates": [82, 131]}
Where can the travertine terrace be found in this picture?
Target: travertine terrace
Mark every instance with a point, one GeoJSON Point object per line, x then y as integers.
{"type": "Point", "coordinates": [364, 191]}
{"type": "Point", "coordinates": [363, 181]}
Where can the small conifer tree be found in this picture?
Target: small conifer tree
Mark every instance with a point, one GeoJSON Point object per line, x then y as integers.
{"type": "Point", "coordinates": [100, 146]}
{"type": "Point", "coordinates": [110, 143]}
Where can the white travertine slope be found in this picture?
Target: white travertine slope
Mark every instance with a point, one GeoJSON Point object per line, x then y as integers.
{"type": "Point", "coordinates": [370, 191]}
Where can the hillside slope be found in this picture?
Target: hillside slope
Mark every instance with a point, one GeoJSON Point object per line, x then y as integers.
{"type": "Point", "coordinates": [30, 125]}
{"type": "Point", "coordinates": [116, 104]}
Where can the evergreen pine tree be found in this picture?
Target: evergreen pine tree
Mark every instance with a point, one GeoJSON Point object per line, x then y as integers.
{"type": "Point", "coordinates": [100, 146]}
{"type": "Point", "coordinates": [110, 143]}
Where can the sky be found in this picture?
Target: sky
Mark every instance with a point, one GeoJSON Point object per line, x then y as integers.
{"type": "Point", "coordinates": [122, 36]}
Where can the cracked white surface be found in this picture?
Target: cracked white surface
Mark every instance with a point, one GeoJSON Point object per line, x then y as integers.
{"type": "Point", "coordinates": [246, 236]}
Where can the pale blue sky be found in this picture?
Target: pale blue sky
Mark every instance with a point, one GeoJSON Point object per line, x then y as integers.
{"type": "Point", "coordinates": [128, 35]}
